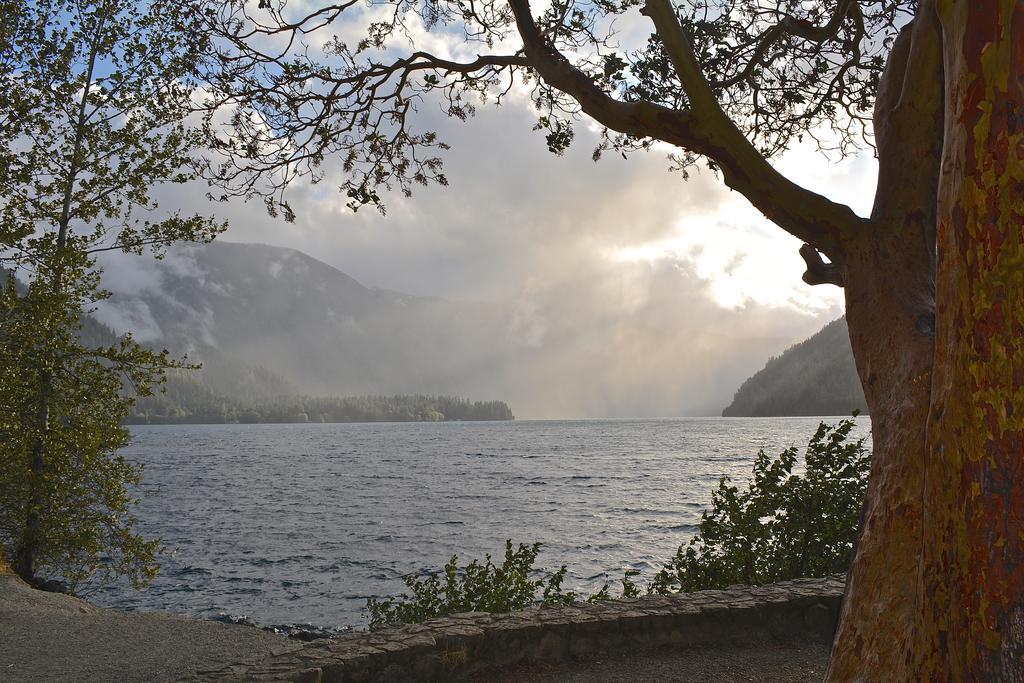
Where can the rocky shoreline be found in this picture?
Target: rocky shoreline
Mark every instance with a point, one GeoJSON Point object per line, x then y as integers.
{"type": "Point", "coordinates": [306, 633]}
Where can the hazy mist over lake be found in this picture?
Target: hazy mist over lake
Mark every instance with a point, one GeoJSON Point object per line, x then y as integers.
{"type": "Point", "coordinates": [604, 348]}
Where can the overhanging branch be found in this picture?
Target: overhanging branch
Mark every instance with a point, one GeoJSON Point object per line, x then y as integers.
{"type": "Point", "coordinates": [704, 129]}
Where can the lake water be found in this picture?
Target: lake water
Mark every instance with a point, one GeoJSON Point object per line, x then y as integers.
{"type": "Point", "coordinates": [288, 524]}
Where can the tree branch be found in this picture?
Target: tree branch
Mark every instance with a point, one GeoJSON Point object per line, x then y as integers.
{"type": "Point", "coordinates": [818, 272]}
{"type": "Point", "coordinates": [794, 27]}
{"type": "Point", "coordinates": [704, 129]}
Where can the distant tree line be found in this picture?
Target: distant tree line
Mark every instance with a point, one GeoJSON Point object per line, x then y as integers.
{"type": "Point", "coordinates": [188, 402]}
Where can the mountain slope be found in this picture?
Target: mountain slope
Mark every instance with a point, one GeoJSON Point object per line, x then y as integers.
{"type": "Point", "coordinates": [228, 390]}
{"type": "Point", "coordinates": [302, 320]}
{"type": "Point", "coordinates": [814, 377]}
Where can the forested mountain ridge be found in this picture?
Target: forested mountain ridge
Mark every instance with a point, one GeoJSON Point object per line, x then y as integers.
{"type": "Point", "coordinates": [303, 321]}
{"type": "Point", "coordinates": [226, 390]}
{"type": "Point", "coordinates": [815, 377]}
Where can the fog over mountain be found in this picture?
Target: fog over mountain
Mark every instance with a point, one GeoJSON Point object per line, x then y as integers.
{"type": "Point", "coordinates": [589, 348]}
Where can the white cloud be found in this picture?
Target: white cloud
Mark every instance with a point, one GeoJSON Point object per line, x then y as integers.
{"type": "Point", "coordinates": [131, 316]}
{"type": "Point", "coordinates": [744, 257]}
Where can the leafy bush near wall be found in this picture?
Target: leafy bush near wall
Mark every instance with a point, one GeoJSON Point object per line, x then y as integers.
{"type": "Point", "coordinates": [477, 587]}
{"type": "Point", "coordinates": [784, 525]}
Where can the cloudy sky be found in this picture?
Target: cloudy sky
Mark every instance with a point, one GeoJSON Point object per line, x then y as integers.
{"type": "Point", "coordinates": [645, 294]}
{"type": "Point", "coordinates": [640, 293]}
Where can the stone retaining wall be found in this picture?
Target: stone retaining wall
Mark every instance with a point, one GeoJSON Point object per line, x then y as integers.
{"type": "Point", "coordinates": [456, 647]}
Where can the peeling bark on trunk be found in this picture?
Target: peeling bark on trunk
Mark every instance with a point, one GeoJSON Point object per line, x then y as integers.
{"type": "Point", "coordinates": [890, 302]}
{"type": "Point", "coordinates": [894, 358]}
{"type": "Point", "coordinates": [937, 587]}
{"type": "Point", "coordinates": [970, 625]}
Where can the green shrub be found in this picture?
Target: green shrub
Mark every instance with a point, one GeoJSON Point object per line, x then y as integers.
{"type": "Point", "coordinates": [477, 587]}
{"type": "Point", "coordinates": [784, 525]}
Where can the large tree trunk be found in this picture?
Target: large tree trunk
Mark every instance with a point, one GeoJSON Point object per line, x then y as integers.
{"type": "Point", "coordinates": [970, 621]}
{"type": "Point", "coordinates": [890, 301]}
{"type": "Point", "coordinates": [937, 587]}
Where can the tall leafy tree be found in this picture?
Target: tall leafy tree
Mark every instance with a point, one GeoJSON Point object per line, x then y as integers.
{"type": "Point", "coordinates": [931, 277]}
{"type": "Point", "coordinates": [94, 96]}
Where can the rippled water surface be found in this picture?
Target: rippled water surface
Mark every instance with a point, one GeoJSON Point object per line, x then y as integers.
{"type": "Point", "coordinates": [302, 523]}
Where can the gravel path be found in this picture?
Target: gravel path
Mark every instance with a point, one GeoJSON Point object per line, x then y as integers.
{"type": "Point", "coordinates": [797, 663]}
{"type": "Point", "coordinates": [50, 637]}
